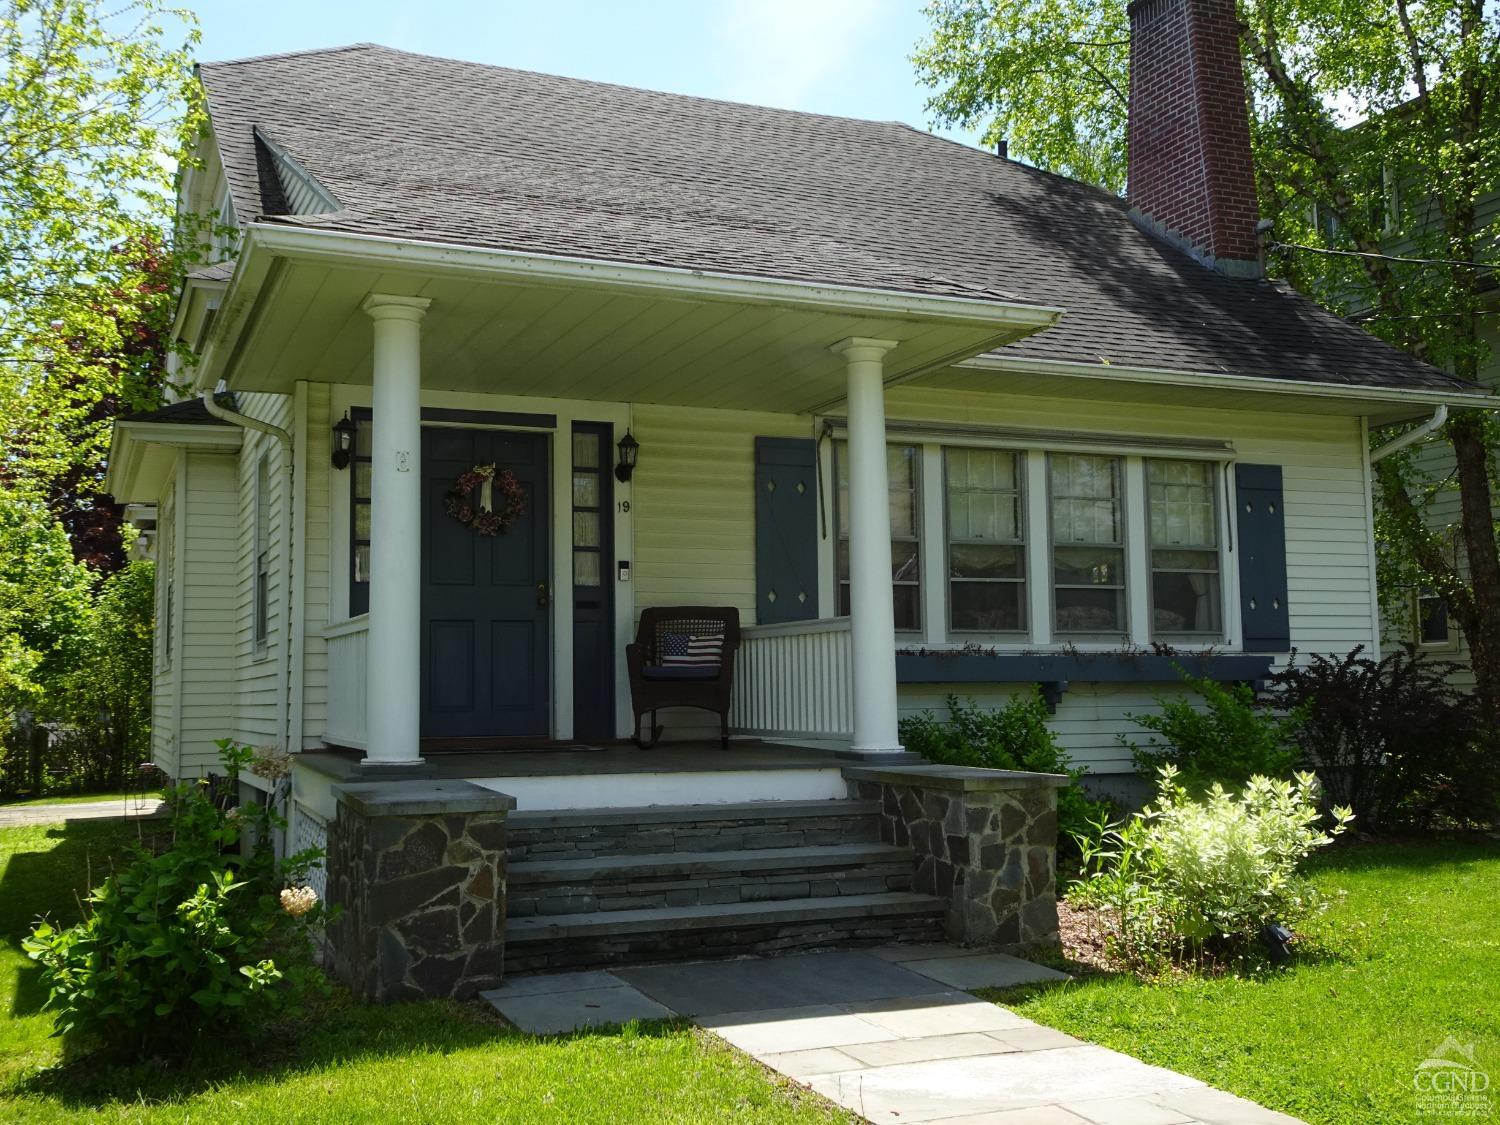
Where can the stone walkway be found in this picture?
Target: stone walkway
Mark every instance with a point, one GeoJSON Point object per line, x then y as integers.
{"type": "Point", "coordinates": [890, 1034]}
{"type": "Point", "coordinates": [123, 808]}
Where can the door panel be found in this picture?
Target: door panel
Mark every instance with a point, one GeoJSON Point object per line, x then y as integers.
{"type": "Point", "coordinates": [486, 655]}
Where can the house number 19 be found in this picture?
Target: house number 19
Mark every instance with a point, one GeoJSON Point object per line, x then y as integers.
{"type": "Point", "coordinates": [623, 506]}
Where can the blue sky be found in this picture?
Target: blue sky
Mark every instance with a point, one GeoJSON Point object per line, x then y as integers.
{"type": "Point", "coordinates": [846, 57]}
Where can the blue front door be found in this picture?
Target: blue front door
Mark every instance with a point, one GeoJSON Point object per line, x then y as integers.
{"type": "Point", "coordinates": [486, 616]}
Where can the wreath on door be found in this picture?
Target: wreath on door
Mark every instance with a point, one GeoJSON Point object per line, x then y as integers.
{"type": "Point", "coordinates": [500, 502]}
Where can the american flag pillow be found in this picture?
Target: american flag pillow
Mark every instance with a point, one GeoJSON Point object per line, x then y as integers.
{"type": "Point", "coordinates": [686, 650]}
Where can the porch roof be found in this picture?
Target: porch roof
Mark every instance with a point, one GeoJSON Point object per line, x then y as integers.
{"type": "Point", "coordinates": [504, 322]}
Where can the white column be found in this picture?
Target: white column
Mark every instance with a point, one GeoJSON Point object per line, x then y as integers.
{"type": "Point", "coordinates": [394, 705]}
{"type": "Point", "coordinates": [872, 612]}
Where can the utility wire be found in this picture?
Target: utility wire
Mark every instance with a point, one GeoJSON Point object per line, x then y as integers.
{"type": "Point", "coordinates": [1382, 257]}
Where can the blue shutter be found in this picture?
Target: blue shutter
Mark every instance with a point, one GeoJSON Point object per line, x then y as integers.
{"type": "Point", "coordinates": [786, 529]}
{"type": "Point", "coordinates": [1261, 528]}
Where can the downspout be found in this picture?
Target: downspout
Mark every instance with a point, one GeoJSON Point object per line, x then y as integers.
{"type": "Point", "coordinates": [235, 418]}
{"type": "Point", "coordinates": [1411, 437]}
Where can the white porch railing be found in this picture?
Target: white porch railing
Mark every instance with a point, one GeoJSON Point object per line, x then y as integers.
{"type": "Point", "coordinates": [348, 656]}
{"type": "Point", "coordinates": [795, 680]}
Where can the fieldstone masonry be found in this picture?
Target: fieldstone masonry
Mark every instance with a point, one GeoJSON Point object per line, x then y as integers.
{"type": "Point", "coordinates": [985, 840]}
{"type": "Point", "coordinates": [416, 870]}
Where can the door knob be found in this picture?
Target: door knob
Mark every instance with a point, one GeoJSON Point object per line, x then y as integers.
{"type": "Point", "coordinates": [541, 595]}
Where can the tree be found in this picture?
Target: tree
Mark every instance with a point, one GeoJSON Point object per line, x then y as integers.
{"type": "Point", "coordinates": [97, 105]}
{"type": "Point", "coordinates": [91, 124]}
{"type": "Point", "coordinates": [1376, 132]}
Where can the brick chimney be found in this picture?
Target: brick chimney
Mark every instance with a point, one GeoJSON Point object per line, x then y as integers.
{"type": "Point", "coordinates": [1190, 174]}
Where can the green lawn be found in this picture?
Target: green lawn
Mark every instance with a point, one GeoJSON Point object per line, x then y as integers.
{"type": "Point", "coordinates": [1410, 956]}
{"type": "Point", "coordinates": [417, 1062]}
{"type": "Point", "coordinates": [78, 799]}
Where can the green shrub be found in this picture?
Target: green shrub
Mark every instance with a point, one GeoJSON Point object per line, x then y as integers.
{"type": "Point", "coordinates": [1228, 740]}
{"type": "Point", "coordinates": [195, 937]}
{"type": "Point", "coordinates": [1394, 739]}
{"type": "Point", "coordinates": [1015, 737]}
{"type": "Point", "coordinates": [1185, 879]}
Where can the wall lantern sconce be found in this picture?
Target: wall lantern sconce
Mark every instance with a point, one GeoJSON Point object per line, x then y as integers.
{"type": "Point", "coordinates": [343, 442]}
{"type": "Point", "coordinates": [628, 448]}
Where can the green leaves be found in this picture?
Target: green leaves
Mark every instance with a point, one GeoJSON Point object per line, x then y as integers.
{"type": "Point", "coordinates": [96, 107]}
{"type": "Point", "coordinates": [1193, 878]}
{"type": "Point", "coordinates": [176, 940]}
{"type": "Point", "coordinates": [1048, 76]}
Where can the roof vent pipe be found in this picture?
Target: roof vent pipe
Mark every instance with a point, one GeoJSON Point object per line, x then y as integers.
{"type": "Point", "coordinates": [1002, 149]}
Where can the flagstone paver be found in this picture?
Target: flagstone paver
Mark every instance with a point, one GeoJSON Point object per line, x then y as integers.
{"type": "Point", "coordinates": [889, 1034]}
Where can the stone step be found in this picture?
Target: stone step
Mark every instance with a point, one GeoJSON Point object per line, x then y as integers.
{"type": "Point", "coordinates": [631, 882]}
{"type": "Point", "coordinates": [614, 937]}
{"type": "Point", "coordinates": [658, 829]}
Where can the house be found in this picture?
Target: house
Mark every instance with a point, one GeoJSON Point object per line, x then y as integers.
{"type": "Point", "coordinates": [929, 419]}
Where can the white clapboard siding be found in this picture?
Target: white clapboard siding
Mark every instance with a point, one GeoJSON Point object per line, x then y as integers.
{"type": "Point", "coordinates": [164, 671]}
{"type": "Point", "coordinates": [261, 681]}
{"type": "Point", "coordinates": [316, 578]}
{"type": "Point", "coordinates": [204, 655]}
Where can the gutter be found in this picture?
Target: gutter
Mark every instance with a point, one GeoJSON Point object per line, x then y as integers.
{"type": "Point", "coordinates": [234, 417]}
{"type": "Point", "coordinates": [338, 245]}
{"type": "Point", "coordinates": [1025, 365]}
{"type": "Point", "coordinates": [1412, 436]}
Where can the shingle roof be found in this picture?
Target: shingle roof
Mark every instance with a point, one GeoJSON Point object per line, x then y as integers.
{"type": "Point", "coordinates": [188, 412]}
{"type": "Point", "coordinates": [447, 151]}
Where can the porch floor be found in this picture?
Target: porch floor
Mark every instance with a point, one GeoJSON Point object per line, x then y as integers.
{"type": "Point", "coordinates": [574, 759]}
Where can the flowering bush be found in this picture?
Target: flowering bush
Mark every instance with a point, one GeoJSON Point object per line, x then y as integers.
{"type": "Point", "coordinates": [197, 935]}
{"type": "Point", "coordinates": [1187, 879]}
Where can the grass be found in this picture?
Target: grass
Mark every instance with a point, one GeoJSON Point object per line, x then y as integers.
{"type": "Point", "coordinates": [79, 798]}
{"type": "Point", "coordinates": [1408, 957]}
{"type": "Point", "coordinates": [432, 1062]}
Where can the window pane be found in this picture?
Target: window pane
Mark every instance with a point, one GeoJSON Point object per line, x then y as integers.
{"type": "Point", "coordinates": [586, 451]}
{"type": "Point", "coordinates": [1432, 624]}
{"type": "Point", "coordinates": [361, 521]}
{"type": "Point", "coordinates": [906, 564]}
{"type": "Point", "coordinates": [906, 598]}
{"type": "Point", "coordinates": [362, 563]}
{"type": "Point", "coordinates": [987, 606]}
{"type": "Point", "coordinates": [586, 568]}
{"type": "Point", "coordinates": [1181, 497]}
{"type": "Point", "coordinates": [970, 561]}
{"type": "Point", "coordinates": [585, 529]}
{"type": "Point", "coordinates": [362, 437]}
{"type": "Point", "coordinates": [1185, 603]}
{"type": "Point", "coordinates": [903, 513]}
{"type": "Point", "coordinates": [1085, 498]}
{"type": "Point", "coordinates": [1090, 611]}
{"type": "Point", "coordinates": [362, 479]}
{"type": "Point", "coordinates": [585, 490]}
{"type": "Point", "coordinates": [1088, 566]}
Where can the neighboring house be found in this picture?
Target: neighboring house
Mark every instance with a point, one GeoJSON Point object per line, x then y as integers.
{"type": "Point", "coordinates": [891, 394]}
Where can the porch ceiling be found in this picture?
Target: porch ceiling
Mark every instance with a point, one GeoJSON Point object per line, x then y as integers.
{"type": "Point", "coordinates": [584, 335]}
